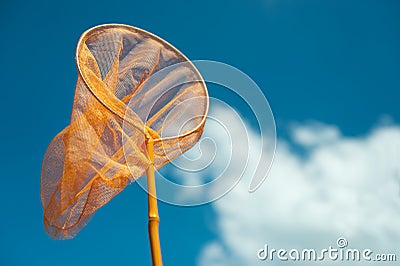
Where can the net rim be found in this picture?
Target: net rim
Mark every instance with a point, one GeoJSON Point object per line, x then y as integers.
{"type": "Point", "coordinates": [86, 34]}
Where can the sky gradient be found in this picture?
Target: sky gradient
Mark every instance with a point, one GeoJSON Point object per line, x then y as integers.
{"type": "Point", "coordinates": [335, 62]}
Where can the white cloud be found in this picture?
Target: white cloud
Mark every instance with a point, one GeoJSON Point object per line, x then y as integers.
{"type": "Point", "coordinates": [213, 255]}
{"type": "Point", "coordinates": [341, 186]}
{"type": "Point", "coordinates": [314, 134]}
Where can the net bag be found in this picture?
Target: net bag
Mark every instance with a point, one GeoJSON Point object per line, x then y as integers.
{"type": "Point", "coordinates": [131, 86]}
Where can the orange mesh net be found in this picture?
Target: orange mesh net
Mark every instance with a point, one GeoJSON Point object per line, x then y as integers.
{"type": "Point", "coordinates": [126, 92]}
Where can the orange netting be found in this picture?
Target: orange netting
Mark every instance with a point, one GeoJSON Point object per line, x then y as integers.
{"type": "Point", "coordinates": [120, 100]}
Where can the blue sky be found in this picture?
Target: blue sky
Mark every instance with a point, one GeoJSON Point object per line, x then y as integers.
{"type": "Point", "coordinates": [336, 62]}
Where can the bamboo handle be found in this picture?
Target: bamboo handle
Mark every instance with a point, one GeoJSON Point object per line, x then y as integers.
{"type": "Point", "coordinates": [154, 218]}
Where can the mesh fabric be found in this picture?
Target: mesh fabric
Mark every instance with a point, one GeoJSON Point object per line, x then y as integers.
{"type": "Point", "coordinates": [126, 92]}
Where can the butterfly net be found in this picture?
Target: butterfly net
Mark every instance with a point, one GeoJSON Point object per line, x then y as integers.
{"type": "Point", "coordinates": [131, 86]}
